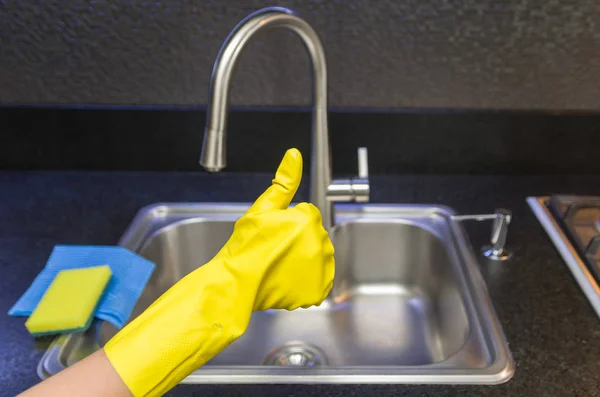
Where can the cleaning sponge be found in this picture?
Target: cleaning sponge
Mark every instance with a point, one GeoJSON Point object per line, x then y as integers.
{"type": "Point", "coordinates": [69, 301]}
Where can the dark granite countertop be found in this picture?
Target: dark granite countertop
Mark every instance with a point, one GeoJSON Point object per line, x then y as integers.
{"type": "Point", "coordinates": [553, 332]}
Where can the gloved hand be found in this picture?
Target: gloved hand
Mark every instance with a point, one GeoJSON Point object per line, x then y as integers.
{"type": "Point", "coordinates": [277, 257]}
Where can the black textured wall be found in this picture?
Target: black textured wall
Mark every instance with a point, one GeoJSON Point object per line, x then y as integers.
{"type": "Point", "coordinates": [520, 54]}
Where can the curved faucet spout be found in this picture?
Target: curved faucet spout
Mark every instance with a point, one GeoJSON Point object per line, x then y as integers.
{"type": "Point", "coordinates": [213, 157]}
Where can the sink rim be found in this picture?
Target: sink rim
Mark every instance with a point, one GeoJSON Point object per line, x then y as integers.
{"type": "Point", "coordinates": [501, 367]}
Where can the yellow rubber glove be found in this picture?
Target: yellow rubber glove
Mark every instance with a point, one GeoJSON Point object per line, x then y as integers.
{"type": "Point", "coordinates": [277, 257]}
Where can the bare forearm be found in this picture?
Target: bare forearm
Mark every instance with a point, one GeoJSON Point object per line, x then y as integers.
{"type": "Point", "coordinates": [92, 376]}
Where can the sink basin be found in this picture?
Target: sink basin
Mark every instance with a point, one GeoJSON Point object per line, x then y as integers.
{"type": "Point", "coordinates": [408, 303]}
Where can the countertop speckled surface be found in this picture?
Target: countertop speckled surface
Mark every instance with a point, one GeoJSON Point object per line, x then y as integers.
{"type": "Point", "coordinates": [553, 332]}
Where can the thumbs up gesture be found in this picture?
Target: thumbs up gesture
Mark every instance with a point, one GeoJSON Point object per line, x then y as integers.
{"type": "Point", "coordinates": [286, 248]}
{"type": "Point", "coordinates": [277, 258]}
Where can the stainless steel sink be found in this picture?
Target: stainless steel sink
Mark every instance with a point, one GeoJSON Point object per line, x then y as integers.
{"type": "Point", "coordinates": [408, 304]}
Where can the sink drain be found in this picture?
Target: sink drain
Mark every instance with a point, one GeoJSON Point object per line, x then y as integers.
{"type": "Point", "coordinates": [296, 354]}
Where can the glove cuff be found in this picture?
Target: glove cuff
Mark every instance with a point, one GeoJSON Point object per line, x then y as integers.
{"type": "Point", "coordinates": [188, 325]}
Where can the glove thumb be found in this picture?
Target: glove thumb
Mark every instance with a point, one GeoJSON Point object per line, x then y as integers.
{"type": "Point", "coordinates": [287, 179]}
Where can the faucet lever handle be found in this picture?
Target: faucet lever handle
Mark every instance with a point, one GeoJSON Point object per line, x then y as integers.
{"type": "Point", "coordinates": [360, 184]}
{"type": "Point", "coordinates": [355, 189]}
{"type": "Point", "coordinates": [363, 163]}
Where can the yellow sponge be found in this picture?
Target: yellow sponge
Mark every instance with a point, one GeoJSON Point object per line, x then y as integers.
{"type": "Point", "coordinates": [69, 302]}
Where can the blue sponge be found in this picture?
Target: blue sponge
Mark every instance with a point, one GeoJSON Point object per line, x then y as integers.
{"type": "Point", "coordinates": [130, 274]}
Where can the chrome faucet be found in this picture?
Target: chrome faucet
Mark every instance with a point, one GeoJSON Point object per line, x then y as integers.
{"type": "Point", "coordinates": [213, 158]}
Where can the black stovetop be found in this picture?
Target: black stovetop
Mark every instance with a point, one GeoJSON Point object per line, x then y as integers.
{"type": "Point", "coordinates": [579, 218]}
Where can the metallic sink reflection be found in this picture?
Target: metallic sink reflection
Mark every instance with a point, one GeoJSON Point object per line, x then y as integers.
{"type": "Point", "coordinates": [408, 304]}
